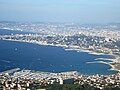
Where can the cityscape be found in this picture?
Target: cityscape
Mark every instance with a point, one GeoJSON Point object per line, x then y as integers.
{"type": "Point", "coordinates": [89, 39]}
{"type": "Point", "coordinates": [59, 45]}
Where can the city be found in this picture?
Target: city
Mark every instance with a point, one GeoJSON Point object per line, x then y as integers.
{"type": "Point", "coordinates": [59, 45]}
{"type": "Point", "coordinates": [86, 41]}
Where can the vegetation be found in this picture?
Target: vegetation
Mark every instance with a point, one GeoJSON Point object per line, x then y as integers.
{"type": "Point", "coordinates": [69, 87]}
{"type": "Point", "coordinates": [73, 87]}
{"type": "Point", "coordinates": [117, 66]}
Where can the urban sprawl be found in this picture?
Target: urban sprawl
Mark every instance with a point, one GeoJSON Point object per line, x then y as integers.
{"type": "Point", "coordinates": [95, 39]}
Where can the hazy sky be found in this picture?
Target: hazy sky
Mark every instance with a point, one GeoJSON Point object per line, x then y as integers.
{"type": "Point", "coordinates": [81, 11]}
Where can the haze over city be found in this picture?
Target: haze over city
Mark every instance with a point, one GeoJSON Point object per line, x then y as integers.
{"type": "Point", "coordinates": [59, 45]}
{"type": "Point", "coordinates": [80, 11]}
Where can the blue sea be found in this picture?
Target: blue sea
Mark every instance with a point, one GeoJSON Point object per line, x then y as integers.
{"type": "Point", "coordinates": [49, 58]}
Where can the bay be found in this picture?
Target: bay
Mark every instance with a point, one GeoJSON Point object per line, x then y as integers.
{"type": "Point", "coordinates": [49, 58]}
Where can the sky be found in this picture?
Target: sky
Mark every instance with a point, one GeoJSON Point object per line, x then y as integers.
{"type": "Point", "coordinates": [78, 11]}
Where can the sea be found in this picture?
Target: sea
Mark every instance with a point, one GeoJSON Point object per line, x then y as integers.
{"type": "Point", "coordinates": [49, 58]}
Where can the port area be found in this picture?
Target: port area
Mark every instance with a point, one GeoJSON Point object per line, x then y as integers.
{"type": "Point", "coordinates": [31, 74]}
{"type": "Point", "coordinates": [10, 71]}
{"type": "Point", "coordinates": [17, 79]}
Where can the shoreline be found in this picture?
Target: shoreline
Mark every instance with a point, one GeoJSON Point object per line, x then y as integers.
{"type": "Point", "coordinates": [80, 50]}
{"type": "Point", "coordinates": [107, 63]}
{"type": "Point", "coordinates": [115, 60]}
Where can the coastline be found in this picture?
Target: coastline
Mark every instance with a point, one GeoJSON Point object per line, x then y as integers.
{"type": "Point", "coordinates": [98, 60]}
{"type": "Point", "coordinates": [114, 61]}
